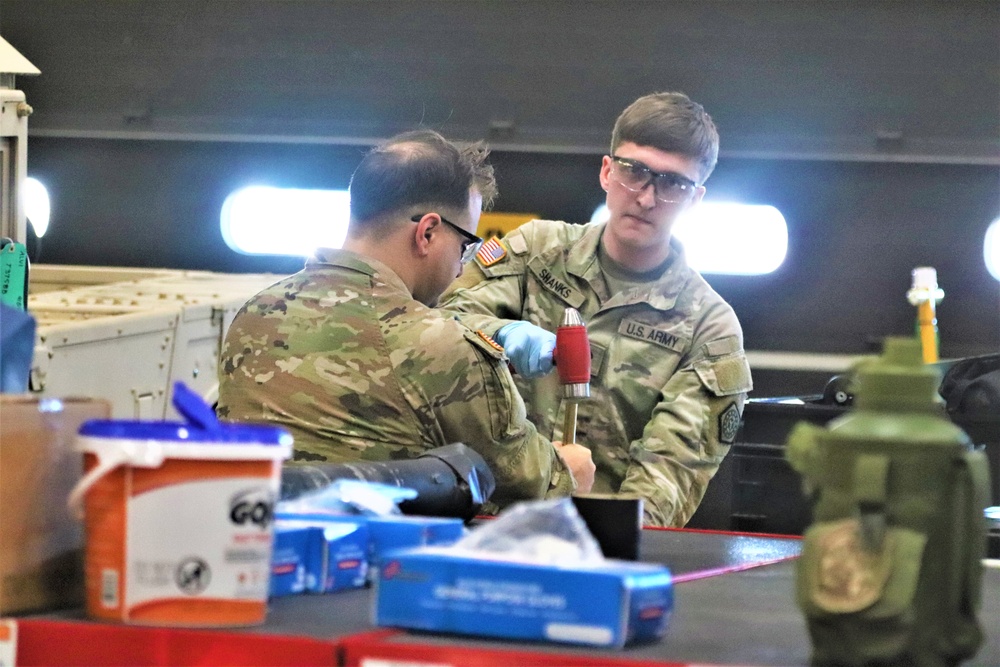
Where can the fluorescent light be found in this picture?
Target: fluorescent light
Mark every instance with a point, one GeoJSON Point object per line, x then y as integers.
{"type": "Point", "coordinates": [729, 238]}
{"type": "Point", "coordinates": [37, 207]}
{"type": "Point", "coordinates": [735, 239]}
{"type": "Point", "coordinates": [261, 220]}
{"type": "Point", "coordinates": [991, 249]}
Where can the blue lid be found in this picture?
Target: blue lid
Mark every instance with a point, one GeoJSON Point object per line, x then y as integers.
{"type": "Point", "coordinates": [201, 426]}
{"type": "Point", "coordinates": [182, 432]}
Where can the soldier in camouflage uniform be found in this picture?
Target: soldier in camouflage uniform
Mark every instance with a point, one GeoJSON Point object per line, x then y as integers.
{"type": "Point", "coordinates": [669, 375]}
{"type": "Point", "coordinates": [351, 357]}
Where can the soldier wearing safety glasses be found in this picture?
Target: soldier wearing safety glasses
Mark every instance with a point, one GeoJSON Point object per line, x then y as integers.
{"type": "Point", "coordinates": [669, 375]}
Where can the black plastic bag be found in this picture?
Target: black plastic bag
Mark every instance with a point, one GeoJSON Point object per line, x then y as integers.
{"type": "Point", "coordinates": [971, 387]}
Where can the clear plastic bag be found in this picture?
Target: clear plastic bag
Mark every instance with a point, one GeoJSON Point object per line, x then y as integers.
{"type": "Point", "coordinates": [349, 496]}
{"type": "Point", "coordinates": [549, 532]}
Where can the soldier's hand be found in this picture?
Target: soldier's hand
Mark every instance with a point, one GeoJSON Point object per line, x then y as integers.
{"type": "Point", "coordinates": [580, 463]}
{"type": "Point", "coordinates": [529, 348]}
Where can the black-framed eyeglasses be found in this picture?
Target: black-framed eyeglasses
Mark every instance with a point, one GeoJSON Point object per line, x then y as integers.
{"type": "Point", "coordinates": [470, 242]}
{"type": "Point", "coordinates": [669, 187]}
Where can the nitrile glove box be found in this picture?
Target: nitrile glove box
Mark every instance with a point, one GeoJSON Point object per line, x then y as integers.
{"type": "Point", "coordinates": [391, 532]}
{"type": "Point", "coordinates": [610, 604]}
{"type": "Point", "coordinates": [318, 558]}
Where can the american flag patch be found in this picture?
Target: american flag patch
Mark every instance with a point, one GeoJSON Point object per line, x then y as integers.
{"type": "Point", "coordinates": [491, 252]}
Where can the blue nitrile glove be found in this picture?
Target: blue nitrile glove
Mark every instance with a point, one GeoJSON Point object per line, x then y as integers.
{"type": "Point", "coordinates": [529, 348]}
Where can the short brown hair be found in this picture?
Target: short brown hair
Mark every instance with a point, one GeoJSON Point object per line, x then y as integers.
{"type": "Point", "coordinates": [419, 168]}
{"type": "Point", "coordinates": [671, 122]}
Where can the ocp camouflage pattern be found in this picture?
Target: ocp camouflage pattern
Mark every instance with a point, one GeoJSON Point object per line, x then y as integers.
{"type": "Point", "coordinates": [668, 366]}
{"type": "Point", "coordinates": [342, 356]}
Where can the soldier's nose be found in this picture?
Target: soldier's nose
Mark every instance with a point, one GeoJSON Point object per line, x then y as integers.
{"type": "Point", "coordinates": [647, 196]}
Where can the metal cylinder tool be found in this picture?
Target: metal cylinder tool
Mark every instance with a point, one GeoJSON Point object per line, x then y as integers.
{"type": "Point", "coordinates": [572, 357]}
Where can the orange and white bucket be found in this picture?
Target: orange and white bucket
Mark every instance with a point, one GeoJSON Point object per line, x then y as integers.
{"type": "Point", "coordinates": [178, 520]}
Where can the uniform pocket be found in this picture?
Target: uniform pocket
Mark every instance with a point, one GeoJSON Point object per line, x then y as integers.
{"type": "Point", "coordinates": [725, 376]}
{"type": "Point", "coordinates": [859, 601]}
{"type": "Point", "coordinates": [507, 411]}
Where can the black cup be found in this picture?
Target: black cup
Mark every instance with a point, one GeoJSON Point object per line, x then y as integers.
{"type": "Point", "coordinates": [614, 520]}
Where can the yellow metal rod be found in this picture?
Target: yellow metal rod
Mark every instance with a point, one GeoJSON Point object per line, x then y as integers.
{"type": "Point", "coordinates": [927, 322]}
{"type": "Point", "coordinates": [569, 424]}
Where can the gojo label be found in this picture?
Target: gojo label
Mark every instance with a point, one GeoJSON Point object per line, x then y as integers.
{"type": "Point", "coordinates": [255, 506]}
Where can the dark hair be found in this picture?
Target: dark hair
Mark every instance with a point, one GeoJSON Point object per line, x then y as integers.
{"type": "Point", "coordinates": [419, 168]}
{"type": "Point", "coordinates": [671, 122]}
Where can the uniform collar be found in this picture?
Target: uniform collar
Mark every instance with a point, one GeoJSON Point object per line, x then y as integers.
{"type": "Point", "coordinates": [356, 262]}
{"type": "Point", "coordinates": [582, 260]}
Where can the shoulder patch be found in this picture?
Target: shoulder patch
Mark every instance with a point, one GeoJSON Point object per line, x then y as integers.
{"type": "Point", "coordinates": [492, 343]}
{"type": "Point", "coordinates": [491, 252]}
{"type": "Point", "coordinates": [729, 423]}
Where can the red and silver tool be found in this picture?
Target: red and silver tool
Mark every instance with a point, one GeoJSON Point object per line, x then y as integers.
{"type": "Point", "coordinates": [572, 358]}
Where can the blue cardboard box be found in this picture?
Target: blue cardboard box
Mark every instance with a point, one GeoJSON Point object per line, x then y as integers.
{"type": "Point", "coordinates": [388, 533]}
{"type": "Point", "coordinates": [318, 558]}
{"type": "Point", "coordinates": [610, 604]}
{"type": "Point", "coordinates": [290, 560]}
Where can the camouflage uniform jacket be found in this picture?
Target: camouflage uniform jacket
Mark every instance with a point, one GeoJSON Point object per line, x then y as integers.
{"type": "Point", "coordinates": [669, 375]}
{"type": "Point", "coordinates": [342, 356]}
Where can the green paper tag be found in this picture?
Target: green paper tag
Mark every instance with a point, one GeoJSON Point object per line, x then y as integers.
{"type": "Point", "coordinates": [14, 275]}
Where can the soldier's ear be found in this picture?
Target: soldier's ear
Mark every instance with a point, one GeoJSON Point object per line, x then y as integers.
{"type": "Point", "coordinates": [699, 194]}
{"type": "Point", "coordinates": [605, 174]}
{"type": "Point", "coordinates": [423, 234]}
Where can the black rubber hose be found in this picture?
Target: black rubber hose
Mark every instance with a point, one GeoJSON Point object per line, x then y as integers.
{"type": "Point", "coordinates": [450, 481]}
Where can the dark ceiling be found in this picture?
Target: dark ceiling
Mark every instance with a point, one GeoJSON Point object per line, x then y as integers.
{"type": "Point", "coordinates": [867, 80]}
